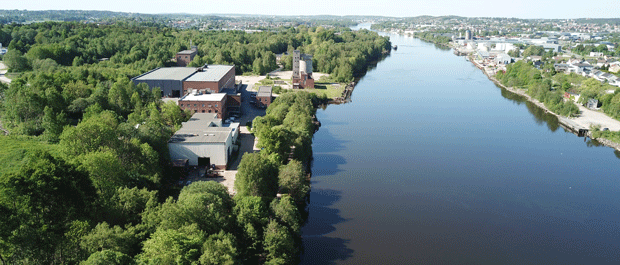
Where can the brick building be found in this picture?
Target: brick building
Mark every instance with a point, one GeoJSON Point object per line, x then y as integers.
{"type": "Point", "coordinates": [302, 70]}
{"type": "Point", "coordinates": [205, 103]}
{"type": "Point", "coordinates": [211, 78]}
{"type": "Point", "coordinates": [179, 81]}
{"type": "Point", "coordinates": [264, 96]}
{"type": "Point", "coordinates": [186, 56]}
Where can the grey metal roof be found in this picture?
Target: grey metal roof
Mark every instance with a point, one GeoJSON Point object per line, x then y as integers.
{"type": "Point", "coordinates": [212, 73]}
{"type": "Point", "coordinates": [168, 73]}
{"type": "Point", "coordinates": [188, 52]}
{"type": "Point", "coordinates": [264, 91]}
{"type": "Point", "coordinates": [202, 128]}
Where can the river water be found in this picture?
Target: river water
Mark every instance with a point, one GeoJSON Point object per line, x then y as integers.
{"type": "Point", "coordinates": [431, 163]}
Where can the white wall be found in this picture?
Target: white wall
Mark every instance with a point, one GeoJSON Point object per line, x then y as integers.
{"type": "Point", "coordinates": [218, 152]}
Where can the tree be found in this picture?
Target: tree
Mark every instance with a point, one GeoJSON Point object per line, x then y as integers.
{"type": "Point", "coordinates": [257, 176]}
{"type": "Point", "coordinates": [207, 204]}
{"type": "Point", "coordinates": [279, 244]}
{"type": "Point", "coordinates": [219, 249]}
{"type": "Point", "coordinates": [53, 124]}
{"type": "Point", "coordinates": [293, 180]}
{"type": "Point", "coordinates": [516, 53]}
{"type": "Point", "coordinates": [287, 213]}
{"type": "Point", "coordinates": [173, 246]}
{"type": "Point", "coordinates": [15, 61]}
{"type": "Point", "coordinates": [108, 257]}
{"type": "Point", "coordinates": [104, 237]}
{"type": "Point", "coordinates": [252, 215]}
{"type": "Point", "coordinates": [257, 67]}
{"type": "Point", "coordinates": [39, 201]}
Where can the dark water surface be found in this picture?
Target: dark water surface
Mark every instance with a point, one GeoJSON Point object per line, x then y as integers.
{"type": "Point", "coordinates": [431, 163]}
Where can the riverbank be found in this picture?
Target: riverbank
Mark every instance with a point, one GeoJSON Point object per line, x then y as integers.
{"type": "Point", "coordinates": [586, 119]}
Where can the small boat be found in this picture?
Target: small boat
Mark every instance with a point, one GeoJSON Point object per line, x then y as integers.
{"type": "Point", "coordinates": [395, 47]}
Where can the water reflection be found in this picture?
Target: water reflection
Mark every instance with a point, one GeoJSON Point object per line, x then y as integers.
{"type": "Point", "coordinates": [540, 115]}
{"type": "Point", "coordinates": [319, 248]}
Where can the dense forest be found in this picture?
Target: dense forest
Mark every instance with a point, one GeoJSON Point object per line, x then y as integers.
{"type": "Point", "coordinates": [84, 173]}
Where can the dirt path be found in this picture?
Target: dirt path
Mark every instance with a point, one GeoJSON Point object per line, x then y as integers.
{"type": "Point", "coordinates": [3, 70]}
{"type": "Point", "coordinates": [590, 117]}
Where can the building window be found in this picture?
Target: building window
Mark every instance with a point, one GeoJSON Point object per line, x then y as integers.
{"type": "Point", "coordinates": [209, 106]}
{"type": "Point", "coordinates": [181, 105]}
{"type": "Point", "coordinates": [203, 105]}
{"type": "Point", "coordinates": [209, 111]}
{"type": "Point", "coordinates": [216, 105]}
{"type": "Point", "coordinates": [194, 105]}
{"type": "Point", "coordinates": [203, 111]}
{"type": "Point", "coordinates": [215, 111]}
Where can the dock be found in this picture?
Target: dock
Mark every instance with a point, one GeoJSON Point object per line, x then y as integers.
{"type": "Point", "coordinates": [573, 126]}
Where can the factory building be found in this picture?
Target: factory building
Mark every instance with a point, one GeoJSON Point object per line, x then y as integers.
{"type": "Point", "coordinates": [302, 70]}
{"type": "Point", "coordinates": [178, 81]}
{"type": "Point", "coordinates": [211, 78]}
{"type": "Point", "coordinates": [186, 56]}
{"type": "Point", "coordinates": [205, 103]}
{"type": "Point", "coordinates": [204, 141]}
{"type": "Point", "coordinates": [264, 96]}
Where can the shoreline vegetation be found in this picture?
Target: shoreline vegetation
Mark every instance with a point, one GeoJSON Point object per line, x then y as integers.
{"type": "Point", "coordinates": [86, 174]}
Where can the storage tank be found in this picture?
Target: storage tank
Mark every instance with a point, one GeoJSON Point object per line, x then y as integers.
{"type": "Point", "coordinates": [305, 64]}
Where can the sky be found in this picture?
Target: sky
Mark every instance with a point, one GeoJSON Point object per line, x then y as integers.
{"type": "Point", "coordinates": [394, 8]}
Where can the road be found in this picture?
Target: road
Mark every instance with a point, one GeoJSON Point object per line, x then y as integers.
{"type": "Point", "coordinates": [590, 117]}
{"type": "Point", "coordinates": [3, 70]}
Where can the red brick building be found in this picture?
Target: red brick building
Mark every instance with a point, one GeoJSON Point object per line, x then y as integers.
{"type": "Point", "coordinates": [210, 78]}
{"type": "Point", "coordinates": [264, 96]}
{"type": "Point", "coordinates": [205, 103]}
{"type": "Point", "coordinates": [186, 56]}
{"type": "Point", "coordinates": [302, 70]}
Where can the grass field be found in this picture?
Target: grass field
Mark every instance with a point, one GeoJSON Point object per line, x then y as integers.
{"type": "Point", "coordinates": [327, 89]}
{"type": "Point", "coordinates": [14, 149]}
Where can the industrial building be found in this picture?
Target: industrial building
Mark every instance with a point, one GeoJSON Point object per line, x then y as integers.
{"type": "Point", "coordinates": [302, 70]}
{"type": "Point", "coordinates": [177, 81]}
{"type": "Point", "coordinates": [204, 141]}
{"type": "Point", "coordinates": [205, 103]}
{"type": "Point", "coordinates": [211, 78]}
{"type": "Point", "coordinates": [264, 96]}
{"type": "Point", "coordinates": [186, 56]}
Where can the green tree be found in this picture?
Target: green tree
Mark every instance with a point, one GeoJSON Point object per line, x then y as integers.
{"type": "Point", "coordinates": [252, 215]}
{"type": "Point", "coordinates": [173, 246]}
{"type": "Point", "coordinates": [104, 237]}
{"type": "Point", "coordinates": [108, 257]}
{"type": "Point", "coordinates": [286, 212]}
{"type": "Point", "coordinates": [279, 244]}
{"type": "Point", "coordinates": [15, 61]}
{"type": "Point", "coordinates": [39, 203]}
{"type": "Point", "coordinates": [219, 249]}
{"type": "Point", "coordinates": [257, 176]}
{"type": "Point", "coordinates": [294, 180]}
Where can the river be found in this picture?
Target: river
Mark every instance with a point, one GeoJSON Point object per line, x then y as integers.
{"type": "Point", "coordinates": [431, 163]}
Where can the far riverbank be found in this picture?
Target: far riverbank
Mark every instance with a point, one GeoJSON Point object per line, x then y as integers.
{"type": "Point", "coordinates": [561, 119]}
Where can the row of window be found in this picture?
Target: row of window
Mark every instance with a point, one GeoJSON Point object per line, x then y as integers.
{"type": "Point", "coordinates": [195, 105]}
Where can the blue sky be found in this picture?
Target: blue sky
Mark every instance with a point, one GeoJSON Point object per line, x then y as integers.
{"type": "Point", "coordinates": [399, 8]}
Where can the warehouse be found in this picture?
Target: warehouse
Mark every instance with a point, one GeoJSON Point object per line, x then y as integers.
{"type": "Point", "coordinates": [211, 78]}
{"type": "Point", "coordinates": [205, 103]}
{"type": "Point", "coordinates": [168, 79]}
{"type": "Point", "coordinates": [264, 96]}
{"type": "Point", "coordinates": [178, 81]}
{"type": "Point", "coordinates": [204, 140]}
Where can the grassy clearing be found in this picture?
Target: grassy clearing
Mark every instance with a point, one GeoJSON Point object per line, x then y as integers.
{"type": "Point", "coordinates": [328, 89]}
{"type": "Point", "coordinates": [13, 151]}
